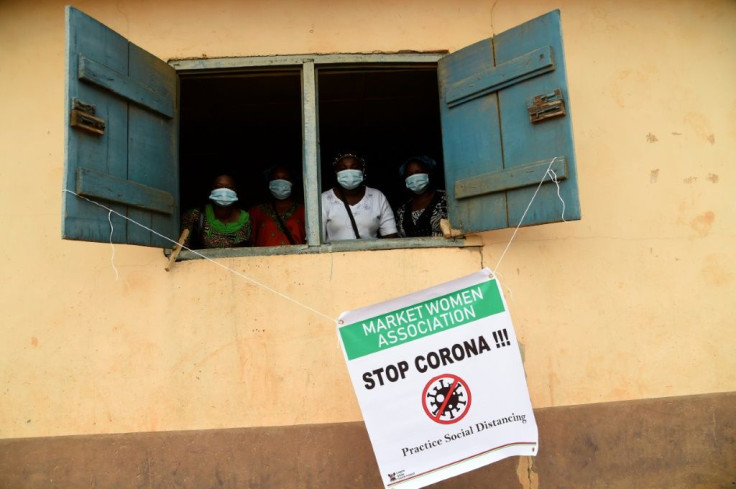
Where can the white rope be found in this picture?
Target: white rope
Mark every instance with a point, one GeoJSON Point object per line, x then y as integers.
{"type": "Point", "coordinates": [553, 175]}
{"type": "Point", "coordinates": [235, 272]}
{"type": "Point", "coordinates": [112, 257]}
{"type": "Point", "coordinates": [548, 172]}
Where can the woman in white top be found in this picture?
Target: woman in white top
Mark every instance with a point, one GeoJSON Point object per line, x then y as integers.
{"type": "Point", "coordinates": [371, 213]}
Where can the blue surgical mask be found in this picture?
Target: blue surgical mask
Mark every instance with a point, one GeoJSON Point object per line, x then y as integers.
{"type": "Point", "coordinates": [417, 182]}
{"type": "Point", "coordinates": [280, 189]}
{"type": "Point", "coordinates": [350, 179]}
{"type": "Point", "coordinates": [223, 196]}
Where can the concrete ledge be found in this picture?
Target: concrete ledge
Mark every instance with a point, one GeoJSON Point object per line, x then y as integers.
{"type": "Point", "coordinates": [681, 442]}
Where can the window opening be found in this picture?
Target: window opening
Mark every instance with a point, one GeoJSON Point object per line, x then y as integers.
{"type": "Point", "coordinates": [239, 124]}
{"type": "Point", "coordinates": [243, 122]}
{"type": "Point", "coordinates": [386, 114]}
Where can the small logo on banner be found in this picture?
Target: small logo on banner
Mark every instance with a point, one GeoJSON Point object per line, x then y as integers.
{"type": "Point", "coordinates": [396, 476]}
{"type": "Point", "coordinates": [446, 399]}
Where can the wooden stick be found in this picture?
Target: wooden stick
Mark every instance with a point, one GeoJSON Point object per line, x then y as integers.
{"type": "Point", "coordinates": [177, 249]}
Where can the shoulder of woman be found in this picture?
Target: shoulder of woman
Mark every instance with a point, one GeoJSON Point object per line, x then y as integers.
{"type": "Point", "coordinates": [329, 195]}
{"type": "Point", "coordinates": [255, 209]}
{"type": "Point", "coordinates": [244, 218]}
{"type": "Point", "coordinates": [373, 192]}
{"type": "Point", "coordinates": [190, 217]}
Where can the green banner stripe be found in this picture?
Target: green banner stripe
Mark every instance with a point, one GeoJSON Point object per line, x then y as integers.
{"type": "Point", "coordinates": [422, 319]}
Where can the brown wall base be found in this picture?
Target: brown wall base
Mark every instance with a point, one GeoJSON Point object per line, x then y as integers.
{"type": "Point", "coordinates": [683, 442]}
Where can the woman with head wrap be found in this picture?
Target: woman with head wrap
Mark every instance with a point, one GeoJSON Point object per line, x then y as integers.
{"type": "Point", "coordinates": [222, 223]}
{"type": "Point", "coordinates": [280, 221]}
{"type": "Point", "coordinates": [351, 210]}
{"type": "Point", "coordinates": [421, 214]}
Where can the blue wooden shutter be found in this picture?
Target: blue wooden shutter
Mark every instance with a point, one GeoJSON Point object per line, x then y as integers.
{"type": "Point", "coordinates": [495, 154]}
{"type": "Point", "coordinates": [130, 164]}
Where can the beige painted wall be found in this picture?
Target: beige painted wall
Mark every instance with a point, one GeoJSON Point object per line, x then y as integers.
{"type": "Point", "coordinates": [633, 301]}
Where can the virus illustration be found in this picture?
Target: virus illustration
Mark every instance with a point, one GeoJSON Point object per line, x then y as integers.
{"type": "Point", "coordinates": [441, 391]}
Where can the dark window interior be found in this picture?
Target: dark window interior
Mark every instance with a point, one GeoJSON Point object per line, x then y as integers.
{"type": "Point", "coordinates": [242, 123]}
{"type": "Point", "coordinates": [239, 124]}
{"type": "Point", "coordinates": [386, 115]}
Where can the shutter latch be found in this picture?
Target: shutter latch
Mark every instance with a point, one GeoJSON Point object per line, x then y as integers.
{"type": "Point", "coordinates": [546, 106]}
{"type": "Point", "coordinates": [83, 117]}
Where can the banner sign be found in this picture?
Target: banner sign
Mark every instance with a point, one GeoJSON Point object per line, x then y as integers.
{"type": "Point", "coordinates": [439, 380]}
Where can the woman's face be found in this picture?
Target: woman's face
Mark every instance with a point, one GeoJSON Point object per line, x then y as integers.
{"type": "Point", "coordinates": [281, 174]}
{"type": "Point", "coordinates": [224, 181]}
{"type": "Point", "coordinates": [348, 163]}
{"type": "Point", "coordinates": [414, 167]}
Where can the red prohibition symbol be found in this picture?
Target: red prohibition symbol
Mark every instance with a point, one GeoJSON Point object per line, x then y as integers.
{"type": "Point", "coordinates": [446, 399]}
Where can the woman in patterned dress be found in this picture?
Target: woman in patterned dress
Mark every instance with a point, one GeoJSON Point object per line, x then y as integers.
{"type": "Point", "coordinates": [421, 214]}
{"type": "Point", "coordinates": [221, 223]}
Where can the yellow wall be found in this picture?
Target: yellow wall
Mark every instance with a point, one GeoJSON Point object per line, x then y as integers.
{"type": "Point", "coordinates": [633, 301]}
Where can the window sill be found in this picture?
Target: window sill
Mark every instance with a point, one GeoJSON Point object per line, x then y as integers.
{"type": "Point", "coordinates": [338, 246]}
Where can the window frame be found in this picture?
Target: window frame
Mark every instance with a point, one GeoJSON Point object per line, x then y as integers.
{"type": "Point", "coordinates": [504, 112]}
{"type": "Point", "coordinates": [309, 66]}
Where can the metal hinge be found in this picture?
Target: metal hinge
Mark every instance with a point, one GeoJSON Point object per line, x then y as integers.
{"type": "Point", "coordinates": [546, 106]}
{"type": "Point", "coordinates": [83, 117]}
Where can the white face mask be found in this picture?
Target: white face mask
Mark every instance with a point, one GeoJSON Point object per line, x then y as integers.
{"type": "Point", "coordinates": [417, 182]}
{"type": "Point", "coordinates": [350, 179]}
{"type": "Point", "coordinates": [223, 196]}
{"type": "Point", "coordinates": [280, 189]}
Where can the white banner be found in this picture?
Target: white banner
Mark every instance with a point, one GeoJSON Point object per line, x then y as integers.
{"type": "Point", "coordinates": [439, 380]}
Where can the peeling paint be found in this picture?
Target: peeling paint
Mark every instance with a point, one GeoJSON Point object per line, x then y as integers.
{"type": "Point", "coordinates": [715, 271]}
{"type": "Point", "coordinates": [527, 473]}
{"type": "Point", "coordinates": [654, 175]}
{"type": "Point", "coordinates": [703, 222]}
{"type": "Point", "coordinates": [701, 125]}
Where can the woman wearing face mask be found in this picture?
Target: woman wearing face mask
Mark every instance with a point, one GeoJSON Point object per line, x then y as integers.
{"type": "Point", "coordinates": [280, 221]}
{"type": "Point", "coordinates": [421, 214]}
{"type": "Point", "coordinates": [350, 210]}
{"type": "Point", "coordinates": [221, 223]}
